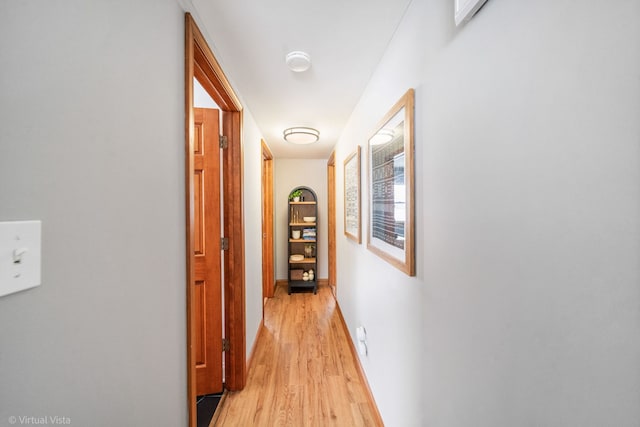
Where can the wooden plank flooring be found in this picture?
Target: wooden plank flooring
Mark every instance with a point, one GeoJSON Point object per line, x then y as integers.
{"type": "Point", "coordinates": [303, 371]}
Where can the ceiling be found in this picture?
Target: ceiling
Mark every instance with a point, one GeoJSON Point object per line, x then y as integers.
{"type": "Point", "coordinates": [345, 38]}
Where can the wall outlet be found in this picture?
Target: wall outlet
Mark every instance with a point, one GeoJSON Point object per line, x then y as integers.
{"type": "Point", "coordinates": [361, 336]}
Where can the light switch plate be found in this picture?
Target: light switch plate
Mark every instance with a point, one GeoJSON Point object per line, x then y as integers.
{"type": "Point", "coordinates": [20, 255]}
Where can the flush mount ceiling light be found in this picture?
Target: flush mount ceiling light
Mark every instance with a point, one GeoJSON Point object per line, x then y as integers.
{"type": "Point", "coordinates": [301, 135]}
{"type": "Point", "coordinates": [298, 61]}
{"type": "Point", "coordinates": [382, 136]}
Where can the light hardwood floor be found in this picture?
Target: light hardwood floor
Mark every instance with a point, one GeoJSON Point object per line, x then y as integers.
{"type": "Point", "coordinates": [303, 371]}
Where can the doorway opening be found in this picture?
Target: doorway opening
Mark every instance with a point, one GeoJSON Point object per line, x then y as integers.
{"type": "Point", "coordinates": [202, 65]}
{"type": "Point", "coordinates": [331, 195]}
{"type": "Point", "coordinates": [268, 269]}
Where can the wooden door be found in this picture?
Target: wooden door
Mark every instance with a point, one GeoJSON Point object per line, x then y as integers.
{"type": "Point", "coordinates": [207, 252]}
{"type": "Point", "coordinates": [331, 190]}
{"type": "Point", "coordinates": [268, 277]}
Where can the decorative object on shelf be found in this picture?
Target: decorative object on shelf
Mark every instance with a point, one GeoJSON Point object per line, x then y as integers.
{"type": "Point", "coordinates": [309, 249]}
{"type": "Point", "coordinates": [296, 274]}
{"type": "Point", "coordinates": [295, 195]}
{"type": "Point", "coordinates": [296, 258]}
{"type": "Point", "coordinates": [309, 234]}
{"type": "Point", "coordinates": [352, 227]}
{"type": "Point", "coordinates": [302, 245]}
{"type": "Point", "coordinates": [390, 233]}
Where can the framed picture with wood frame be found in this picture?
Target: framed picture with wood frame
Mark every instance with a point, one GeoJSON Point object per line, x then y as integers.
{"type": "Point", "coordinates": [390, 170]}
{"type": "Point", "coordinates": [352, 216]}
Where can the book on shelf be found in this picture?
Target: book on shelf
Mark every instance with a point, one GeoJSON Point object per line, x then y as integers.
{"type": "Point", "coordinates": [309, 234]}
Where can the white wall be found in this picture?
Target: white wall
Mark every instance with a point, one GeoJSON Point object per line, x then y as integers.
{"type": "Point", "coordinates": [252, 226]}
{"type": "Point", "coordinates": [288, 174]}
{"type": "Point", "coordinates": [526, 307]}
{"type": "Point", "coordinates": [201, 98]}
{"type": "Point", "coordinates": [91, 143]}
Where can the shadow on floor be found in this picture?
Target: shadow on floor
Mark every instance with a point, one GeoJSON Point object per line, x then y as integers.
{"type": "Point", "coordinates": [207, 405]}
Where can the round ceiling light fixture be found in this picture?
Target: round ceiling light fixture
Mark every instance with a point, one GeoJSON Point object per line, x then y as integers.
{"type": "Point", "coordinates": [298, 61]}
{"type": "Point", "coordinates": [301, 135]}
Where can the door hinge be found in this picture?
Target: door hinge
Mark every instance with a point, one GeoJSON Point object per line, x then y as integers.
{"type": "Point", "coordinates": [224, 142]}
{"type": "Point", "coordinates": [225, 344]}
{"type": "Point", "coordinates": [224, 243]}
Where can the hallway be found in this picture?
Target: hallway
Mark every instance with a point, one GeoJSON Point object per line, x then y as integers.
{"type": "Point", "coordinates": [525, 306]}
{"type": "Point", "coordinates": [302, 371]}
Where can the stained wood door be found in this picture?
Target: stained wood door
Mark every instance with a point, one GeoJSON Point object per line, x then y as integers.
{"type": "Point", "coordinates": [331, 190]}
{"type": "Point", "coordinates": [207, 252]}
{"type": "Point", "coordinates": [268, 277]}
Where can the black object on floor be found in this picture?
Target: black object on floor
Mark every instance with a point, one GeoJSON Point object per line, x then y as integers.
{"type": "Point", "coordinates": [207, 405]}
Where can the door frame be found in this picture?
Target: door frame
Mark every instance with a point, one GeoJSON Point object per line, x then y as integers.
{"type": "Point", "coordinates": [331, 229]}
{"type": "Point", "coordinates": [268, 275]}
{"type": "Point", "coordinates": [201, 64]}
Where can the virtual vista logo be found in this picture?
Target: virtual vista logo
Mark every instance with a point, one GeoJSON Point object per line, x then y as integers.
{"type": "Point", "coordinates": [31, 420]}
